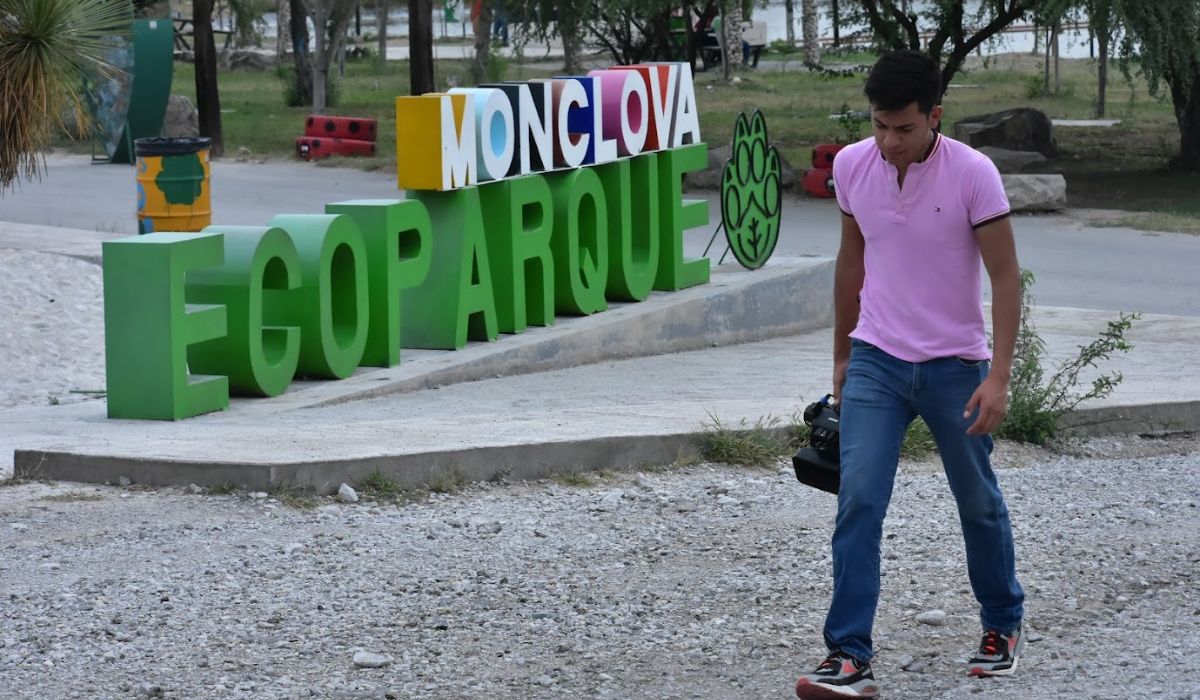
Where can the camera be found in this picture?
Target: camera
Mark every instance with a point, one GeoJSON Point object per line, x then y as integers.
{"type": "Point", "coordinates": [819, 463]}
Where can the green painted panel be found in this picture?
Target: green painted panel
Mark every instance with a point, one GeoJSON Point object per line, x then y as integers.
{"type": "Point", "coordinates": [150, 89]}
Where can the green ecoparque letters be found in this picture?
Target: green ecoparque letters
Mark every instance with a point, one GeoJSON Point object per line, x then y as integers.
{"type": "Point", "coordinates": [192, 318]}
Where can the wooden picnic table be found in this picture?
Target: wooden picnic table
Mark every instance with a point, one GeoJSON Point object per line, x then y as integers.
{"type": "Point", "coordinates": [184, 30]}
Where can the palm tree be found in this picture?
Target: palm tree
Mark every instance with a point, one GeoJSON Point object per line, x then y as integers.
{"type": "Point", "coordinates": [45, 47]}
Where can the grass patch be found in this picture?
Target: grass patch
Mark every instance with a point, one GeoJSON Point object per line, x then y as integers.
{"type": "Point", "coordinates": [296, 498]}
{"type": "Point", "coordinates": [1166, 222]}
{"type": "Point", "coordinates": [450, 481]}
{"type": "Point", "coordinates": [573, 479]}
{"type": "Point", "coordinates": [225, 489]}
{"type": "Point", "coordinates": [918, 441]}
{"type": "Point", "coordinates": [378, 487]}
{"type": "Point", "coordinates": [760, 444]}
{"type": "Point", "coordinates": [72, 497]}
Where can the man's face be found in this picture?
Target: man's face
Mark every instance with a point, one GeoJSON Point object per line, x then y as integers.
{"type": "Point", "coordinates": [903, 134]}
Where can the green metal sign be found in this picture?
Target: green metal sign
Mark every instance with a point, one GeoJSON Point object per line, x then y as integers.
{"type": "Point", "coordinates": [751, 193]}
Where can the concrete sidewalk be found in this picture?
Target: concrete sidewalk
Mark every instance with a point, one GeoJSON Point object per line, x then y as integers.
{"type": "Point", "coordinates": [614, 414]}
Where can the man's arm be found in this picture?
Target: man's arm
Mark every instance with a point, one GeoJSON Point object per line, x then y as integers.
{"type": "Point", "coordinates": [847, 284]}
{"type": "Point", "coordinates": [999, 252]}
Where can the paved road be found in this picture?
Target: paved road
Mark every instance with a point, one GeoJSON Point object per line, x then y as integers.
{"type": "Point", "coordinates": [1099, 268]}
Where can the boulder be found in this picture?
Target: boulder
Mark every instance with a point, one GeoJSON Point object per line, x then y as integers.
{"type": "Point", "coordinates": [1012, 161]}
{"type": "Point", "coordinates": [1021, 129]}
{"type": "Point", "coordinates": [181, 119]}
{"type": "Point", "coordinates": [250, 60]}
{"type": "Point", "coordinates": [1035, 192]}
{"type": "Point", "coordinates": [710, 177]}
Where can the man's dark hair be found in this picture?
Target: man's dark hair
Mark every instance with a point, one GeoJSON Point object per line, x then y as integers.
{"type": "Point", "coordinates": [902, 77]}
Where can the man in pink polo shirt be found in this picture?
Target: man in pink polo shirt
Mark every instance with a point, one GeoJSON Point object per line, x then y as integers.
{"type": "Point", "coordinates": [920, 213]}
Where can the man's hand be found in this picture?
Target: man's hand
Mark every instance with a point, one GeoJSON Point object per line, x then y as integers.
{"type": "Point", "coordinates": [839, 378]}
{"type": "Point", "coordinates": [991, 399]}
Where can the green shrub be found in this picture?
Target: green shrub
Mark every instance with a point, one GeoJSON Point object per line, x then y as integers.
{"type": "Point", "coordinates": [1037, 401]}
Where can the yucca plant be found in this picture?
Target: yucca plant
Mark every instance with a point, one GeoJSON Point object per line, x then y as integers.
{"type": "Point", "coordinates": [45, 47]}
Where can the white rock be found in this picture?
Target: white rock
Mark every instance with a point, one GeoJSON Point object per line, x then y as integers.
{"type": "Point", "coordinates": [1035, 192]}
{"type": "Point", "coordinates": [727, 501]}
{"type": "Point", "coordinates": [346, 494]}
{"type": "Point", "coordinates": [935, 618]}
{"type": "Point", "coordinates": [124, 481]}
{"type": "Point", "coordinates": [610, 501]}
{"type": "Point", "coordinates": [19, 527]}
{"type": "Point", "coordinates": [366, 659]}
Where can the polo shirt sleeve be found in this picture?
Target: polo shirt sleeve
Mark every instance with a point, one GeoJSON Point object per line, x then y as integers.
{"type": "Point", "coordinates": [841, 184]}
{"type": "Point", "coordinates": [986, 200]}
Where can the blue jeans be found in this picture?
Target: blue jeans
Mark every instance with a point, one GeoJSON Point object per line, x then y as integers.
{"type": "Point", "coordinates": [881, 396]}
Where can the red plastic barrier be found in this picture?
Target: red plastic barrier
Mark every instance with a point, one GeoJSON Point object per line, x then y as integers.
{"type": "Point", "coordinates": [819, 182]}
{"type": "Point", "coordinates": [358, 128]}
{"type": "Point", "coordinates": [310, 148]}
{"type": "Point", "coordinates": [822, 155]}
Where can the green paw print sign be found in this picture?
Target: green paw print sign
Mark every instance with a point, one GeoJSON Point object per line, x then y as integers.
{"type": "Point", "coordinates": [750, 193]}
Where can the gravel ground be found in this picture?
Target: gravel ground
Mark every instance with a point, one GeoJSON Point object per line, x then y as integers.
{"type": "Point", "coordinates": [698, 582]}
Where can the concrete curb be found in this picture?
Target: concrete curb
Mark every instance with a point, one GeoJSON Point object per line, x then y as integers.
{"type": "Point", "coordinates": [518, 462]}
{"type": "Point", "coordinates": [1137, 419]}
{"type": "Point", "coordinates": [408, 471]}
{"type": "Point", "coordinates": [736, 307]}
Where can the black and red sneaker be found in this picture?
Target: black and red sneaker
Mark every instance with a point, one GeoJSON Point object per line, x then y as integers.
{"type": "Point", "coordinates": [839, 676]}
{"type": "Point", "coordinates": [997, 654]}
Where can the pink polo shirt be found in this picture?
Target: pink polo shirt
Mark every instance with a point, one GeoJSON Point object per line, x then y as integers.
{"type": "Point", "coordinates": [921, 298]}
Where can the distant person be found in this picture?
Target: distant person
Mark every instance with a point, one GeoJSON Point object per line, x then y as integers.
{"type": "Point", "coordinates": [499, 23]}
{"type": "Point", "coordinates": [920, 212]}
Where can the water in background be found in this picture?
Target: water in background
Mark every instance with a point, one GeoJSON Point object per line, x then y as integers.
{"type": "Point", "coordinates": [1073, 43]}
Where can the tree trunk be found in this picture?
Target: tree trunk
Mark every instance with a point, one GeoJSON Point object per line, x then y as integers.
{"type": "Point", "coordinates": [208, 98]}
{"type": "Point", "coordinates": [320, 18]}
{"type": "Point", "coordinates": [1046, 64]}
{"type": "Point", "coordinates": [299, 30]}
{"type": "Point", "coordinates": [837, 23]}
{"type": "Point", "coordinates": [381, 11]}
{"type": "Point", "coordinates": [570, 27]}
{"type": "Point", "coordinates": [789, 7]}
{"type": "Point", "coordinates": [420, 47]}
{"type": "Point", "coordinates": [1057, 79]}
{"type": "Point", "coordinates": [483, 44]}
{"type": "Point", "coordinates": [731, 27]}
{"type": "Point", "coordinates": [1187, 113]}
{"type": "Point", "coordinates": [723, 40]}
{"type": "Point", "coordinates": [283, 37]}
{"type": "Point", "coordinates": [812, 50]}
{"type": "Point", "coordinates": [1102, 86]}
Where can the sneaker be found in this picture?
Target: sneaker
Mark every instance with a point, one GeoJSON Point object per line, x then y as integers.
{"type": "Point", "coordinates": [839, 676]}
{"type": "Point", "coordinates": [997, 655]}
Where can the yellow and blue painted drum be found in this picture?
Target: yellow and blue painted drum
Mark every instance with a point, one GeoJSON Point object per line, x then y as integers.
{"type": "Point", "coordinates": [173, 184]}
